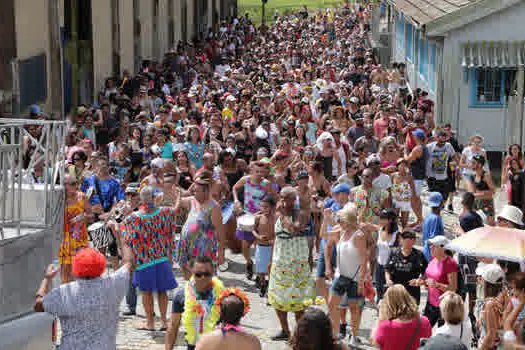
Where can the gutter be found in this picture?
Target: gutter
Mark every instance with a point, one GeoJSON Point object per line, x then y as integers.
{"type": "Point", "coordinates": [467, 15]}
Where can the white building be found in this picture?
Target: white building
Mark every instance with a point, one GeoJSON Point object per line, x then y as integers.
{"type": "Point", "coordinates": [469, 56]}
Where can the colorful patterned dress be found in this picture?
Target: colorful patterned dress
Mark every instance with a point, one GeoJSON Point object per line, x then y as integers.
{"type": "Point", "coordinates": [195, 153]}
{"type": "Point", "coordinates": [75, 233]}
{"type": "Point", "coordinates": [290, 283]}
{"type": "Point", "coordinates": [253, 195]}
{"type": "Point", "coordinates": [150, 236]}
{"type": "Point", "coordinates": [198, 236]}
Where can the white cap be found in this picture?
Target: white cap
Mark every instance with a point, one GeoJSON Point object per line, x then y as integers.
{"type": "Point", "coordinates": [492, 273]}
{"type": "Point", "coordinates": [440, 240]}
{"type": "Point", "coordinates": [231, 98]}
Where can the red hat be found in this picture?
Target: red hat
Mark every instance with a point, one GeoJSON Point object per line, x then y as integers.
{"type": "Point", "coordinates": [88, 263]}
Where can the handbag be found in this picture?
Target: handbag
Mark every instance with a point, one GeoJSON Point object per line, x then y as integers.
{"type": "Point", "coordinates": [411, 342]}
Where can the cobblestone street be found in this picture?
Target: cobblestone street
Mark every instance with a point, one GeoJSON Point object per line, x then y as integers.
{"type": "Point", "coordinates": [261, 319]}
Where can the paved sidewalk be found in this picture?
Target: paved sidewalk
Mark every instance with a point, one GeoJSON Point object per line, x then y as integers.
{"type": "Point", "coordinates": [261, 320]}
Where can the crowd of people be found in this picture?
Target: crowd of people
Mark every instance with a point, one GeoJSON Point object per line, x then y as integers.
{"type": "Point", "coordinates": [293, 147]}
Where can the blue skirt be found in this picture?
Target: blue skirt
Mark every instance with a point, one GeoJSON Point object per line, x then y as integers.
{"type": "Point", "coordinates": [155, 278]}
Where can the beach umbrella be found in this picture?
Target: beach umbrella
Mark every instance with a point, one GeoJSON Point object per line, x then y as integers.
{"type": "Point", "coordinates": [491, 242]}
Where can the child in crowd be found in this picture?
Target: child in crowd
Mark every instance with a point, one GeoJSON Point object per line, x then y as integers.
{"type": "Point", "coordinates": [403, 190]}
{"type": "Point", "coordinates": [433, 223]}
{"type": "Point", "coordinates": [264, 234]}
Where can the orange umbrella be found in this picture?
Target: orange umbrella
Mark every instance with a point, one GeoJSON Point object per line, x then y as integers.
{"type": "Point", "coordinates": [492, 242]}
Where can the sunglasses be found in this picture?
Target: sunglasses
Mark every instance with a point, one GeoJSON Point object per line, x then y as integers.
{"type": "Point", "coordinates": [72, 183]}
{"type": "Point", "coordinates": [203, 274]}
{"type": "Point", "coordinates": [76, 159]}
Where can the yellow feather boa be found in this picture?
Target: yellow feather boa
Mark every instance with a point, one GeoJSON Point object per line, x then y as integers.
{"type": "Point", "coordinates": [193, 311]}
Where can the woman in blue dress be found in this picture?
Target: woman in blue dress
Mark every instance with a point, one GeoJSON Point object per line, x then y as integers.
{"type": "Point", "coordinates": [195, 147]}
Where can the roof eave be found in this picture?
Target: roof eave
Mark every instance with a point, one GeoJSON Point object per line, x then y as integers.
{"type": "Point", "coordinates": [466, 15]}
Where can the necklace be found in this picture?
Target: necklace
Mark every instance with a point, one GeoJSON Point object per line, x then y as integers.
{"type": "Point", "coordinates": [196, 319]}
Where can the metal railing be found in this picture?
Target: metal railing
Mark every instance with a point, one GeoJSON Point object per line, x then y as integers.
{"type": "Point", "coordinates": [28, 200]}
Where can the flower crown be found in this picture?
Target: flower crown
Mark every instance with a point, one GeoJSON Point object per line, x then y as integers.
{"type": "Point", "coordinates": [234, 291]}
{"type": "Point", "coordinates": [317, 301]}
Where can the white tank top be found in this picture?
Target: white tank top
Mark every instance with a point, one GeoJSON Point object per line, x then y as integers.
{"type": "Point", "coordinates": [383, 249]}
{"type": "Point", "coordinates": [348, 259]}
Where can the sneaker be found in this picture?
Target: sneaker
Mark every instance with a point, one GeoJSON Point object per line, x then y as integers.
{"type": "Point", "coordinates": [342, 330]}
{"type": "Point", "coordinates": [249, 271]}
{"type": "Point", "coordinates": [129, 313]}
{"type": "Point", "coordinates": [281, 336]}
{"type": "Point", "coordinates": [354, 341]}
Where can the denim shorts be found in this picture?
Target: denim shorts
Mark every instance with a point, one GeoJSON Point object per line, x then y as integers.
{"type": "Point", "coordinates": [321, 266]}
{"type": "Point", "coordinates": [342, 286]}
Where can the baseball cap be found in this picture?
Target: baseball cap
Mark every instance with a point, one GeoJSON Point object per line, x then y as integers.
{"type": "Point", "coordinates": [435, 199]}
{"type": "Point", "coordinates": [420, 134]}
{"type": "Point", "coordinates": [491, 273]}
{"type": "Point", "coordinates": [443, 342]}
{"type": "Point", "coordinates": [354, 100]}
{"type": "Point", "coordinates": [341, 188]}
{"type": "Point", "coordinates": [440, 241]}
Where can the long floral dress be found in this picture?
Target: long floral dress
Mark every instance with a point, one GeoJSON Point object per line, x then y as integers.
{"type": "Point", "coordinates": [198, 236]}
{"type": "Point", "coordinates": [75, 232]}
{"type": "Point", "coordinates": [290, 283]}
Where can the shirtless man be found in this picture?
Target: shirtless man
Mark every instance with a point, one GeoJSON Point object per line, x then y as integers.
{"type": "Point", "coordinates": [264, 233]}
{"type": "Point", "coordinates": [380, 77]}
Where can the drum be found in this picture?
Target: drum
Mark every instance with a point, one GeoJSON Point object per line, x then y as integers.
{"type": "Point", "coordinates": [246, 222]}
{"type": "Point", "coordinates": [245, 226]}
{"type": "Point", "coordinates": [100, 235]}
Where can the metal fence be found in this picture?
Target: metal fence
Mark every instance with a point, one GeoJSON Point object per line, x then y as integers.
{"type": "Point", "coordinates": [28, 201]}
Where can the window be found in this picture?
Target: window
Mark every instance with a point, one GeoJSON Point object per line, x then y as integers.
{"type": "Point", "coordinates": [491, 87]}
{"type": "Point", "coordinates": [400, 34]}
{"type": "Point", "coordinates": [423, 58]}
{"type": "Point", "coordinates": [432, 67]}
{"type": "Point", "coordinates": [410, 42]}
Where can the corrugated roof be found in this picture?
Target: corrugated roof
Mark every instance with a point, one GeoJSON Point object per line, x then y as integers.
{"type": "Point", "coordinates": [424, 11]}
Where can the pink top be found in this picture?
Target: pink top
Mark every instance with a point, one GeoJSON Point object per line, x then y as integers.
{"type": "Point", "coordinates": [380, 127]}
{"type": "Point", "coordinates": [386, 163]}
{"type": "Point", "coordinates": [394, 335]}
{"type": "Point", "coordinates": [438, 271]}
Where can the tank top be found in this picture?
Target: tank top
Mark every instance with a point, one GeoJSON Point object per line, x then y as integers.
{"type": "Point", "coordinates": [481, 185]}
{"type": "Point", "coordinates": [253, 195]}
{"type": "Point", "coordinates": [383, 248]}
{"type": "Point", "coordinates": [402, 191]}
{"type": "Point", "coordinates": [348, 259]}
{"type": "Point", "coordinates": [419, 166]}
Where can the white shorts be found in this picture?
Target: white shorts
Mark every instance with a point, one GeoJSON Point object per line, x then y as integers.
{"type": "Point", "coordinates": [403, 206]}
{"type": "Point", "coordinates": [418, 184]}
